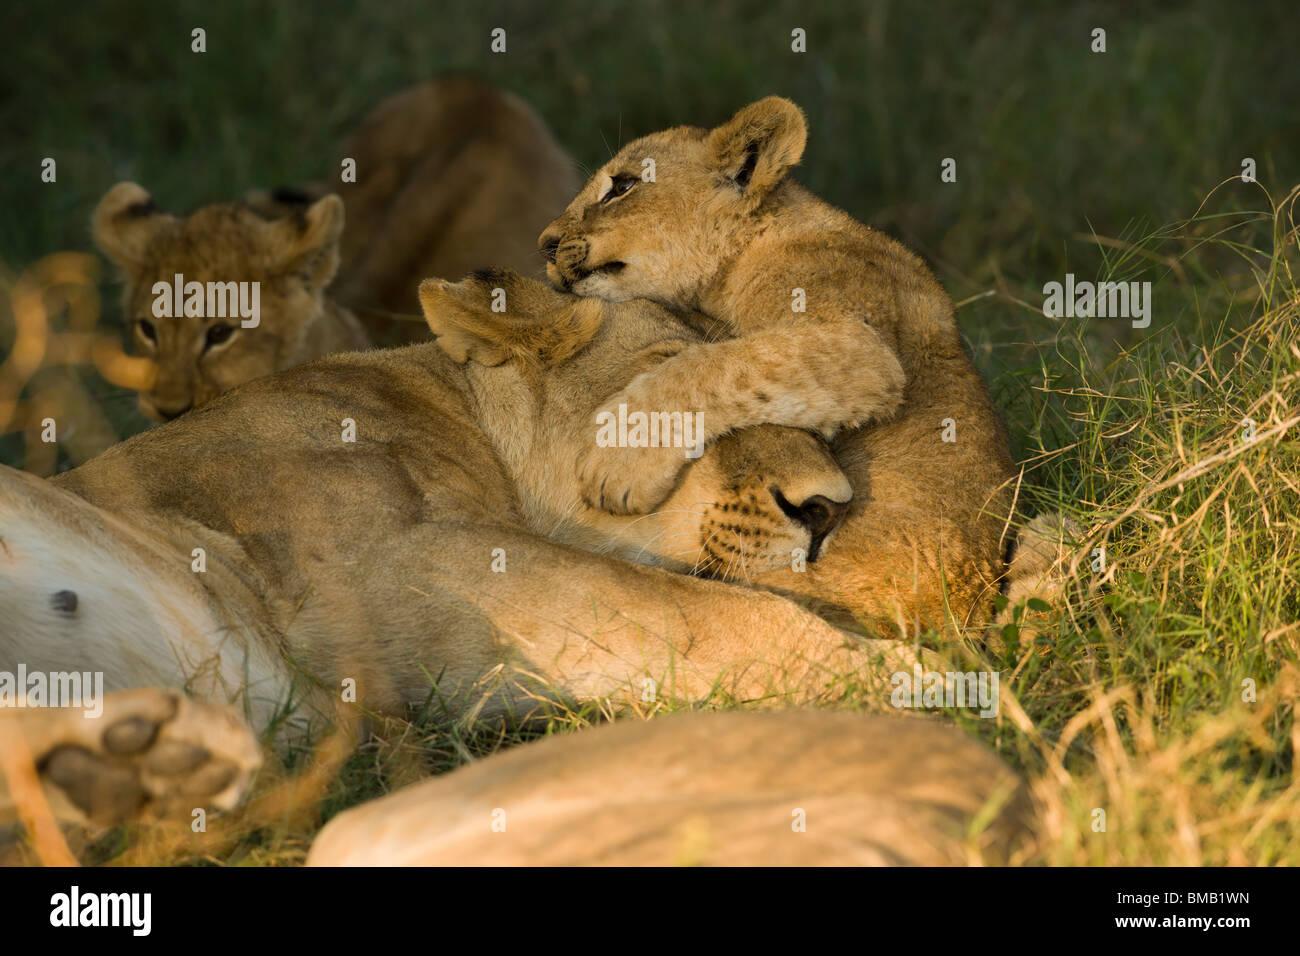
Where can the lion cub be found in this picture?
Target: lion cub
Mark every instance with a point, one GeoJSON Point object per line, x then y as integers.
{"type": "Point", "coordinates": [820, 305]}
{"type": "Point", "coordinates": [198, 356]}
{"type": "Point", "coordinates": [815, 299]}
{"type": "Point", "coordinates": [442, 178]}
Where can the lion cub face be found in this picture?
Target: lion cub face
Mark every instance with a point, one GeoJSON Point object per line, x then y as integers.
{"type": "Point", "coordinates": [759, 499]}
{"type": "Point", "coordinates": [196, 357]}
{"type": "Point", "coordinates": [662, 218]}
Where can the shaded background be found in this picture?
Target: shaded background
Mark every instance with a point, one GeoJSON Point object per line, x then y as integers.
{"type": "Point", "coordinates": [1054, 143]}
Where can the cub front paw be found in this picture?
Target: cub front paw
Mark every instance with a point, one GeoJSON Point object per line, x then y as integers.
{"type": "Point", "coordinates": [626, 481]}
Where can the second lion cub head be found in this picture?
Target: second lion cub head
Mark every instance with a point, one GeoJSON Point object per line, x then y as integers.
{"type": "Point", "coordinates": [201, 350]}
{"type": "Point", "coordinates": [707, 186]}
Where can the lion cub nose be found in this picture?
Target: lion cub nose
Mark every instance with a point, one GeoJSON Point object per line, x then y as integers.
{"type": "Point", "coordinates": [548, 243]}
{"type": "Point", "coordinates": [819, 514]}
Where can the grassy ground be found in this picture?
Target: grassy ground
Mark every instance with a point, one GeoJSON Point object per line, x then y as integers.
{"type": "Point", "coordinates": [1122, 164]}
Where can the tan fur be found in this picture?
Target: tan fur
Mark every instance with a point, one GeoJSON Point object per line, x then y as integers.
{"type": "Point", "coordinates": [372, 561]}
{"type": "Point", "coordinates": [724, 231]}
{"type": "Point", "coordinates": [294, 260]}
{"type": "Point", "coordinates": [453, 175]}
{"type": "Point", "coordinates": [720, 789]}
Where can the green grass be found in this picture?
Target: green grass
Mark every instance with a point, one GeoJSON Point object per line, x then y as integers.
{"type": "Point", "coordinates": [1124, 164]}
{"type": "Point", "coordinates": [1201, 592]}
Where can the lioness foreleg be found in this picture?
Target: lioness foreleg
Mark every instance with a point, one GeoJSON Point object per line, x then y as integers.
{"type": "Point", "coordinates": [574, 626]}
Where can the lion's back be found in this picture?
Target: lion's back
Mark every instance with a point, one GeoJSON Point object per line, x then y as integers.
{"type": "Point", "coordinates": [453, 175]}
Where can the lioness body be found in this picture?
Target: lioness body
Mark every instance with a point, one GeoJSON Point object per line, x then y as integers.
{"type": "Point", "coordinates": [453, 175]}
{"type": "Point", "coordinates": [249, 552]}
{"type": "Point", "coordinates": [251, 543]}
{"type": "Point", "coordinates": [804, 288]}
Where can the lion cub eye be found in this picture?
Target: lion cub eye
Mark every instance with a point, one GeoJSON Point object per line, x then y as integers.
{"type": "Point", "coordinates": [147, 330]}
{"type": "Point", "coordinates": [218, 334]}
{"type": "Point", "coordinates": [622, 186]}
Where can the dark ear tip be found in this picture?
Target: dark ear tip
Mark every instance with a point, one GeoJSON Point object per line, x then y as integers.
{"type": "Point", "coordinates": [492, 275]}
{"type": "Point", "coordinates": [291, 196]}
{"type": "Point", "coordinates": [126, 200]}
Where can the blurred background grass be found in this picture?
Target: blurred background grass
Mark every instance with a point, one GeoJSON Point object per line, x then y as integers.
{"type": "Point", "coordinates": [1052, 141]}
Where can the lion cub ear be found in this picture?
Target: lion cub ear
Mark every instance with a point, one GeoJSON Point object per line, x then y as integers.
{"type": "Point", "coordinates": [125, 222]}
{"type": "Point", "coordinates": [307, 242]}
{"type": "Point", "coordinates": [536, 326]}
{"type": "Point", "coordinates": [757, 146]}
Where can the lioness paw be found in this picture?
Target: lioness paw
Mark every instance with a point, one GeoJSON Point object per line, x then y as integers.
{"type": "Point", "coordinates": [625, 481]}
{"type": "Point", "coordinates": [153, 754]}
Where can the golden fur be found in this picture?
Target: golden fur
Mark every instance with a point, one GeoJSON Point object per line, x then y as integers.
{"type": "Point", "coordinates": [798, 787]}
{"type": "Point", "coordinates": [376, 561]}
{"type": "Point", "coordinates": [722, 230]}
{"type": "Point", "coordinates": [197, 358]}
{"type": "Point", "coordinates": [372, 564]}
{"type": "Point", "coordinates": [453, 175]}
{"type": "Point", "coordinates": [331, 563]}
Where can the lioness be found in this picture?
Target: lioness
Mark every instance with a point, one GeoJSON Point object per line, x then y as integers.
{"type": "Point", "coordinates": [405, 527]}
{"type": "Point", "coordinates": [721, 229]}
{"type": "Point", "coordinates": [452, 175]}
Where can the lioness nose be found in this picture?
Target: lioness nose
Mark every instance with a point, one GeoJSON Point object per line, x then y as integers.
{"type": "Point", "coordinates": [819, 514]}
